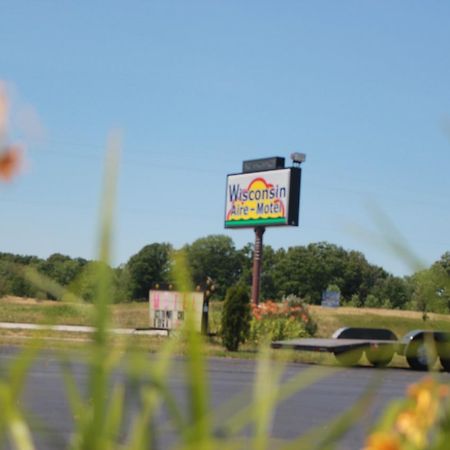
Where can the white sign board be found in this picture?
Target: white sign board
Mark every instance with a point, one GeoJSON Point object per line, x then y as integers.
{"type": "Point", "coordinates": [262, 198]}
{"type": "Point", "coordinates": [331, 299]}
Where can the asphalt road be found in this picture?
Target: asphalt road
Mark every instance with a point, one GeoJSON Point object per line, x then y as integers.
{"type": "Point", "coordinates": [45, 399]}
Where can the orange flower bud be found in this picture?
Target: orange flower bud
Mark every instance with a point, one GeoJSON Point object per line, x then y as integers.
{"type": "Point", "coordinates": [10, 162]}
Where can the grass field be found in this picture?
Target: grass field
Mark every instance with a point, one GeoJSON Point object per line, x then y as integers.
{"type": "Point", "coordinates": [330, 319]}
{"type": "Point", "coordinates": [135, 315]}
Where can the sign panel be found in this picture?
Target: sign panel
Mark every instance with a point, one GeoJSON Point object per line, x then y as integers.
{"type": "Point", "coordinates": [168, 308]}
{"type": "Point", "coordinates": [268, 198]}
{"type": "Point", "coordinates": [331, 299]}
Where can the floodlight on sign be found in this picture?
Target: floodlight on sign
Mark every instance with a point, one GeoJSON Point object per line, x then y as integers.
{"type": "Point", "coordinates": [298, 157]}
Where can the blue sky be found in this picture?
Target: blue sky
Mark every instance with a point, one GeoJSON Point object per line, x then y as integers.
{"type": "Point", "coordinates": [196, 87]}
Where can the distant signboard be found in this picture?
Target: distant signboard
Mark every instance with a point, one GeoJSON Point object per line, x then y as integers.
{"type": "Point", "coordinates": [331, 299]}
{"type": "Point", "coordinates": [268, 198]}
{"type": "Point", "coordinates": [168, 308]}
{"type": "Point", "coordinates": [257, 165]}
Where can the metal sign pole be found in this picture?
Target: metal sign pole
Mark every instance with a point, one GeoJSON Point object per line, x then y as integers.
{"type": "Point", "coordinates": [257, 260]}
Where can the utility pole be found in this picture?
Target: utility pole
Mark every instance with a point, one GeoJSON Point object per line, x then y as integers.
{"type": "Point", "coordinates": [257, 261]}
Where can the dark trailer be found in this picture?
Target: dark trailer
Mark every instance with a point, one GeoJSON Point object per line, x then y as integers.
{"type": "Point", "coordinates": [420, 347]}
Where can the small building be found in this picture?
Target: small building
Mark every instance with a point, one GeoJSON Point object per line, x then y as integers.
{"type": "Point", "coordinates": [167, 308]}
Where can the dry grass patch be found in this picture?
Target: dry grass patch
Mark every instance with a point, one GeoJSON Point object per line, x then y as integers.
{"type": "Point", "coordinates": [131, 315]}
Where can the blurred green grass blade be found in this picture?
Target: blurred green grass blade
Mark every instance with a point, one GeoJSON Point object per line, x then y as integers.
{"type": "Point", "coordinates": [19, 367]}
{"type": "Point", "coordinates": [104, 281]}
{"type": "Point", "coordinates": [198, 432]}
{"type": "Point", "coordinates": [77, 405]}
{"type": "Point", "coordinates": [98, 382]}
{"type": "Point", "coordinates": [389, 415]}
{"type": "Point", "coordinates": [95, 434]}
{"type": "Point", "coordinates": [198, 388]}
{"type": "Point", "coordinates": [155, 372]}
{"type": "Point", "coordinates": [180, 271]}
{"type": "Point", "coordinates": [388, 237]}
{"type": "Point", "coordinates": [101, 302]}
{"type": "Point", "coordinates": [265, 393]}
{"type": "Point", "coordinates": [5, 409]}
{"type": "Point", "coordinates": [48, 285]}
{"type": "Point", "coordinates": [115, 412]}
{"type": "Point", "coordinates": [11, 420]}
{"type": "Point", "coordinates": [394, 238]}
{"type": "Point", "coordinates": [109, 195]}
{"type": "Point", "coordinates": [20, 433]}
{"type": "Point", "coordinates": [103, 362]}
{"type": "Point", "coordinates": [143, 432]}
{"type": "Point", "coordinates": [11, 390]}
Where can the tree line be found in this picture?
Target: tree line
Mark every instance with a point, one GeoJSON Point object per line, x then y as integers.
{"type": "Point", "coordinates": [303, 271]}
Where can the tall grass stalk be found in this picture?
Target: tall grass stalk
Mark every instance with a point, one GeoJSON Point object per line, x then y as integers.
{"type": "Point", "coordinates": [266, 388]}
{"type": "Point", "coordinates": [12, 419]}
{"type": "Point", "coordinates": [197, 435]}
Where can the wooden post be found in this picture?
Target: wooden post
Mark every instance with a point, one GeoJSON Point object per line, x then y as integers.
{"type": "Point", "coordinates": [257, 260]}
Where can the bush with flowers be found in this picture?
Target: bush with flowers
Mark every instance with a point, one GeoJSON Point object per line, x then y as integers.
{"type": "Point", "coordinates": [280, 320]}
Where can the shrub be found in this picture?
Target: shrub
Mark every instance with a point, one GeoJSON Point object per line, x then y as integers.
{"type": "Point", "coordinates": [235, 317]}
{"type": "Point", "coordinates": [355, 301]}
{"type": "Point", "coordinates": [285, 320]}
{"type": "Point", "coordinates": [372, 301]}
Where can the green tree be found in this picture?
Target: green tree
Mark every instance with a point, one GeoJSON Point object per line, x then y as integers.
{"type": "Point", "coordinates": [291, 272]}
{"type": "Point", "coordinates": [269, 272]}
{"type": "Point", "coordinates": [358, 275]}
{"type": "Point", "coordinates": [431, 290]}
{"type": "Point", "coordinates": [150, 265]}
{"type": "Point", "coordinates": [372, 302]}
{"type": "Point", "coordinates": [245, 258]}
{"type": "Point", "coordinates": [444, 262]}
{"type": "Point", "coordinates": [12, 281]}
{"type": "Point", "coordinates": [216, 257]}
{"type": "Point", "coordinates": [236, 317]}
{"type": "Point", "coordinates": [392, 291]}
{"type": "Point", "coordinates": [62, 268]}
{"type": "Point", "coordinates": [23, 260]}
{"type": "Point", "coordinates": [307, 271]}
{"type": "Point", "coordinates": [355, 301]}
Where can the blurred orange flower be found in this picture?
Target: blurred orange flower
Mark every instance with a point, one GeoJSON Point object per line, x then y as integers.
{"type": "Point", "coordinates": [417, 421]}
{"type": "Point", "coordinates": [11, 155]}
{"type": "Point", "coordinates": [10, 162]}
{"type": "Point", "coordinates": [382, 441]}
